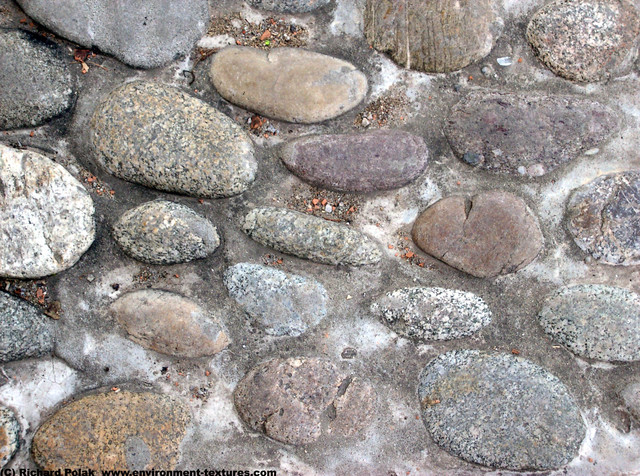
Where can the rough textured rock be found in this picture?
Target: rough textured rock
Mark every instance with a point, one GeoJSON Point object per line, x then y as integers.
{"type": "Point", "coordinates": [434, 36]}
{"type": "Point", "coordinates": [631, 396]}
{"type": "Point", "coordinates": [96, 431]}
{"type": "Point", "coordinates": [603, 218]}
{"type": "Point", "coordinates": [595, 321]}
{"type": "Point", "coordinates": [162, 232]}
{"type": "Point", "coordinates": [380, 160]}
{"type": "Point", "coordinates": [141, 33]}
{"type": "Point", "coordinates": [524, 134]}
{"type": "Point", "coordinates": [51, 85]}
{"type": "Point", "coordinates": [46, 216]}
{"type": "Point", "coordinates": [287, 83]}
{"type": "Point", "coordinates": [310, 237]}
{"type": "Point", "coordinates": [493, 233]}
{"type": "Point", "coordinates": [432, 313]}
{"type": "Point", "coordinates": [196, 150]}
{"type": "Point", "coordinates": [9, 435]}
{"type": "Point", "coordinates": [585, 40]}
{"type": "Point", "coordinates": [170, 324]}
{"type": "Point", "coordinates": [25, 331]}
{"type": "Point", "coordinates": [500, 411]}
{"type": "Point", "coordinates": [284, 304]}
{"type": "Point", "coordinates": [289, 6]}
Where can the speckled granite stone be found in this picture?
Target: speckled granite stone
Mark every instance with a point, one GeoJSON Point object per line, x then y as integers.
{"type": "Point", "coordinates": [25, 331]}
{"type": "Point", "coordinates": [310, 237]}
{"type": "Point", "coordinates": [195, 150]}
{"type": "Point", "coordinates": [289, 6]}
{"type": "Point", "coordinates": [499, 410]}
{"type": "Point", "coordinates": [9, 435]}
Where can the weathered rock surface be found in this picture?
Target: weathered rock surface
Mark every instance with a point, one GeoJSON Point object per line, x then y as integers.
{"type": "Point", "coordinates": [170, 324]}
{"type": "Point", "coordinates": [433, 36]}
{"type": "Point", "coordinates": [603, 218]}
{"type": "Point", "coordinates": [310, 237]}
{"type": "Point", "coordinates": [284, 304]}
{"type": "Point", "coordinates": [98, 431]}
{"type": "Point", "coordinates": [162, 232]}
{"type": "Point", "coordinates": [380, 160]}
{"type": "Point", "coordinates": [196, 150]}
{"type": "Point", "coordinates": [631, 396]}
{"type": "Point", "coordinates": [51, 85]}
{"type": "Point", "coordinates": [9, 435]}
{"type": "Point", "coordinates": [524, 134]}
{"type": "Point", "coordinates": [585, 40]}
{"type": "Point", "coordinates": [46, 216]}
{"type": "Point", "coordinates": [500, 411]}
{"type": "Point", "coordinates": [288, 84]}
{"type": "Point", "coordinates": [595, 321]}
{"type": "Point", "coordinates": [493, 233]}
{"type": "Point", "coordinates": [289, 6]}
{"type": "Point", "coordinates": [144, 34]}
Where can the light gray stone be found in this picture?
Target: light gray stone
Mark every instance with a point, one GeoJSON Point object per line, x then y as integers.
{"type": "Point", "coordinates": [289, 6]}
{"type": "Point", "coordinates": [631, 396]}
{"type": "Point", "coordinates": [9, 435]}
{"type": "Point", "coordinates": [25, 331]}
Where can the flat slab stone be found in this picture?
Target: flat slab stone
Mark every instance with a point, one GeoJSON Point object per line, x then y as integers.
{"type": "Point", "coordinates": [522, 134]}
{"type": "Point", "coordinates": [499, 410]}
{"type": "Point", "coordinates": [379, 160]}
{"type": "Point", "coordinates": [585, 40]}
{"type": "Point", "coordinates": [196, 150]}
{"type": "Point", "coordinates": [46, 216]}
{"type": "Point", "coordinates": [432, 313]}
{"type": "Point", "coordinates": [25, 332]}
{"type": "Point", "coordinates": [98, 431]}
{"type": "Point", "coordinates": [9, 435]}
{"type": "Point", "coordinates": [310, 237]}
{"type": "Point", "coordinates": [289, 84]}
{"type": "Point", "coordinates": [436, 36]}
{"type": "Point", "coordinates": [162, 232]}
{"type": "Point", "coordinates": [603, 218]}
{"type": "Point", "coordinates": [595, 321]}
{"type": "Point", "coordinates": [284, 304]}
{"type": "Point", "coordinates": [289, 6]}
{"type": "Point", "coordinates": [144, 34]}
{"type": "Point", "coordinates": [170, 323]}
{"type": "Point", "coordinates": [51, 89]}
{"type": "Point", "coordinates": [494, 233]}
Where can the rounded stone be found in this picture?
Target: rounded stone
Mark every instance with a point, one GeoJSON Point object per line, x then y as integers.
{"type": "Point", "coordinates": [289, 6]}
{"type": "Point", "coordinates": [500, 411]}
{"type": "Point", "coordinates": [196, 150]}
{"type": "Point", "coordinates": [516, 133]}
{"type": "Point", "coordinates": [603, 218]}
{"type": "Point", "coordinates": [494, 233]}
{"type": "Point", "coordinates": [288, 84]}
{"type": "Point", "coordinates": [585, 40]}
{"type": "Point", "coordinates": [141, 33]}
{"type": "Point", "coordinates": [96, 432]}
{"type": "Point", "coordinates": [310, 237]}
{"type": "Point", "coordinates": [432, 313]}
{"type": "Point", "coordinates": [438, 36]}
{"type": "Point", "coordinates": [595, 321]}
{"type": "Point", "coordinates": [284, 304]}
{"type": "Point", "coordinates": [379, 160]}
{"type": "Point", "coordinates": [9, 435]}
{"type": "Point", "coordinates": [170, 323]}
{"type": "Point", "coordinates": [46, 216]}
{"type": "Point", "coordinates": [51, 85]}
{"type": "Point", "coordinates": [162, 232]}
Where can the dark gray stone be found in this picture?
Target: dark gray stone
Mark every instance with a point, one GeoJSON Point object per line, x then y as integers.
{"type": "Point", "coordinates": [9, 435]}
{"type": "Point", "coordinates": [499, 410]}
{"type": "Point", "coordinates": [25, 331]}
{"type": "Point", "coordinates": [289, 6]}
{"type": "Point", "coordinates": [380, 160]}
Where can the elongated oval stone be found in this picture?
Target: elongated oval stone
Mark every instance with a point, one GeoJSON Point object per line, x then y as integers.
{"type": "Point", "coordinates": [310, 237]}
{"type": "Point", "coordinates": [380, 160]}
{"type": "Point", "coordinates": [46, 216]}
{"type": "Point", "coordinates": [162, 232]}
{"type": "Point", "coordinates": [195, 150]}
{"type": "Point", "coordinates": [289, 6]}
{"type": "Point", "coordinates": [287, 83]}
{"type": "Point", "coordinates": [25, 332]}
{"type": "Point", "coordinates": [500, 411]}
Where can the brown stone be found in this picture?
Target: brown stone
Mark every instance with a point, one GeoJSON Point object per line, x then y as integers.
{"type": "Point", "coordinates": [9, 435]}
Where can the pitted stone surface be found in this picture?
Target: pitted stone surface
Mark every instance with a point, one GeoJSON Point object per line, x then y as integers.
{"type": "Point", "coordinates": [595, 321]}
{"type": "Point", "coordinates": [603, 218]}
{"type": "Point", "coordinates": [499, 410]}
{"type": "Point", "coordinates": [288, 84]}
{"type": "Point", "coordinates": [284, 304]}
{"type": "Point", "coordinates": [432, 313]}
{"type": "Point", "coordinates": [289, 6]}
{"type": "Point", "coordinates": [380, 160]}
{"type": "Point", "coordinates": [46, 216]}
{"type": "Point", "coordinates": [585, 40]}
{"type": "Point", "coordinates": [196, 150]}
{"type": "Point", "coordinates": [162, 232]}
{"type": "Point", "coordinates": [522, 134]}
{"type": "Point", "coordinates": [310, 237]}
{"type": "Point", "coordinates": [25, 331]}
{"type": "Point", "coordinates": [9, 435]}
